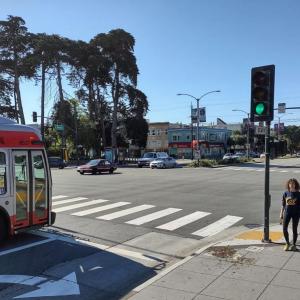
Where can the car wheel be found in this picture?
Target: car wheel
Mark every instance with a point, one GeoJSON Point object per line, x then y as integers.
{"type": "Point", "coordinates": [163, 166]}
{"type": "Point", "coordinates": [81, 172]}
{"type": "Point", "coordinates": [3, 229]}
{"type": "Point", "coordinates": [111, 171]}
{"type": "Point", "coordinates": [140, 166]}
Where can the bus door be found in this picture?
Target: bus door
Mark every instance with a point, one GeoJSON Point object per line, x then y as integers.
{"type": "Point", "coordinates": [31, 188]}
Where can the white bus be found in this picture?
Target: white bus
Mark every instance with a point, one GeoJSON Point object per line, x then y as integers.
{"type": "Point", "coordinates": [25, 180]}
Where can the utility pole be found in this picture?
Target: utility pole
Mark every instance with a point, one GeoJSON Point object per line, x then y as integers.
{"type": "Point", "coordinates": [43, 103]}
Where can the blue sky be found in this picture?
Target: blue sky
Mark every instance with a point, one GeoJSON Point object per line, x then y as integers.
{"type": "Point", "coordinates": [188, 46]}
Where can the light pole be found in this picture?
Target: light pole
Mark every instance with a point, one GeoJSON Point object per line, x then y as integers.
{"type": "Point", "coordinates": [278, 124]}
{"type": "Point", "coordinates": [248, 127]}
{"type": "Point", "coordinates": [198, 117]}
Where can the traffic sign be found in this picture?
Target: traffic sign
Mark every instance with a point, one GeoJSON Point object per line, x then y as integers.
{"type": "Point", "coordinates": [59, 127]}
{"type": "Point", "coordinates": [281, 108]}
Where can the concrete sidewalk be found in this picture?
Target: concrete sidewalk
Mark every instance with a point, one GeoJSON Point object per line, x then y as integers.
{"type": "Point", "coordinates": [241, 268]}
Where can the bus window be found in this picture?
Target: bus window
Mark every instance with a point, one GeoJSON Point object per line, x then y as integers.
{"type": "Point", "coordinates": [3, 180]}
{"type": "Point", "coordinates": [40, 188]}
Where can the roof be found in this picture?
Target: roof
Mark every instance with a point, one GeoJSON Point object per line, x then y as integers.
{"type": "Point", "coordinates": [10, 125]}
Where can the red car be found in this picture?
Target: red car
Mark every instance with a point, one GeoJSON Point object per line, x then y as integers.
{"type": "Point", "coordinates": [95, 166]}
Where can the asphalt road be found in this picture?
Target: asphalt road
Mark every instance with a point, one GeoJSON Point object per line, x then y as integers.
{"type": "Point", "coordinates": [236, 191]}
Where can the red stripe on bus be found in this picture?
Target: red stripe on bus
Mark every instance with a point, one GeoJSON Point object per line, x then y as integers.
{"type": "Point", "coordinates": [17, 139]}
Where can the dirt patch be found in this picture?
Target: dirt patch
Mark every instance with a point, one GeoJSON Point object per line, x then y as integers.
{"type": "Point", "coordinates": [230, 254]}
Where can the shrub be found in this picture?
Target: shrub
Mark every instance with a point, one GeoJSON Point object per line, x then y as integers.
{"type": "Point", "coordinates": [208, 163]}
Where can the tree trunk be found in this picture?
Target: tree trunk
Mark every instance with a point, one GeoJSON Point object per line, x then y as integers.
{"type": "Point", "coordinates": [60, 89]}
{"type": "Point", "coordinates": [43, 102]}
{"type": "Point", "coordinates": [17, 89]}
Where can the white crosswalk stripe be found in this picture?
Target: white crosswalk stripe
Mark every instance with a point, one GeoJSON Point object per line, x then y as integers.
{"type": "Point", "coordinates": [101, 208]}
{"type": "Point", "coordinates": [68, 201]}
{"type": "Point", "coordinates": [283, 171]}
{"type": "Point", "coordinates": [125, 212]}
{"type": "Point", "coordinates": [59, 197]}
{"type": "Point", "coordinates": [183, 221]}
{"type": "Point", "coordinates": [79, 205]}
{"type": "Point", "coordinates": [217, 226]}
{"type": "Point", "coordinates": [153, 216]}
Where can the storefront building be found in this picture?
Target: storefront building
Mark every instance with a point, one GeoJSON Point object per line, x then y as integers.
{"type": "Point", "coordinates": [212, 142]}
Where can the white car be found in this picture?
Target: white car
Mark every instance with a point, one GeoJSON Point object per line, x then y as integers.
{"type": "Point", "coordinates": [229, 156]}
{"type": "Point", "coordinates": [163, 163]}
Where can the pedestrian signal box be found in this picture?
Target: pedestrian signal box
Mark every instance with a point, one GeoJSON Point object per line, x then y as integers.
{"type": "Point", "coordinates": [262, 93]}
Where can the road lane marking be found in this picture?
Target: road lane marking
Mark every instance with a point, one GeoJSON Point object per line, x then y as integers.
{"type": "Point", "coordinates": [26, 246]}
{"type": "Point", "coordinates": [153, 216]}
{"type": "Point", "coordinates": [296, 171]}
{"type": "Point", "coordinates": [259, 170]}
{"type": "Point", "coordinates": [183, 221]}
{"type": "Point", "coordinates": [59, 197]}
{"type": "Point", "coordinates": [68, 201]}
{"type": "Point", "coordinates": [98, 209]}
{"type": "Point", "coordinates": [237, 169]}
{"type": "Point", "coordinates": [217, 226]}
{"type": "Point", "coordinates": [125, 212]}
{"type": "Point", "coordinates": [88, 203]}
{"type": "Point", "coordinates": [283, 171]}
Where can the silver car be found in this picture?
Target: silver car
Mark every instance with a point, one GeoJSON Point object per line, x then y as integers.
{"type": "Point", "coordinates": [163, 163]}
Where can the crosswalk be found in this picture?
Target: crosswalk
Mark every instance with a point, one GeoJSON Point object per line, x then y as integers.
{"type": "Point", "coordinates": [261, 169]}
{"type": "Point", "coordinates": [96, 208]}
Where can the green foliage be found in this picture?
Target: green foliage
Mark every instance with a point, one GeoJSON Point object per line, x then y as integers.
{"type": "Point", "coordinates": [292, 133]}
{"type": "Point", "coordinates": [208, 163]}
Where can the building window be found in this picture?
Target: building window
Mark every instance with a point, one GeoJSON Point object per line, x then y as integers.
{"type": "Point", "coordinates": [158, 132]}
{"type": "Point", "coordinates": [174, 138]}
{"type": "Point", "coordinates": [153, 132]}
{"type": "Point", "coordinates": [166, 131]}
{"type": "Point", "coordinates": [187, 137]}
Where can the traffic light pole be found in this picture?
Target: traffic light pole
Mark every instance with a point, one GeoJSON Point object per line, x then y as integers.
{"type": "Point", "coordinates": [267, 205]}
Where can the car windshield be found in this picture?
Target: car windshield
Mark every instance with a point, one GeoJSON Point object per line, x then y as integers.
{"type": "Point", "coordinates": [148, 155]}
{"type": "Point", "coordinates": [93, 162]}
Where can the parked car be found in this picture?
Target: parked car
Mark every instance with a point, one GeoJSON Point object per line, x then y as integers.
{"type": "Point", "coordinates": [56, 162]}
{"type": "Point", "coordinates": [95, 166]}
{"type": "Point", "coordinates": [254, 154]}
{"type": "Point", "coordinates": [230, 156]}
{"type": "Point", "coordinates": [240, 154]}
{"type": "Point", "coordinates": [263, 155]}
{"type": "Point", "coordinates": [298, 154]}
{"type": "Point", "coordinates": [148, 157]}
{"type": "Point", "coordinates": [163, 163]}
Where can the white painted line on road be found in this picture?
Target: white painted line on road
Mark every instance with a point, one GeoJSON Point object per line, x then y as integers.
{"type": "Point", "coordinates": [98, 209]}
{"type": "Point", "coordinates": [59, 197]}
{"type": "Point", "coordinates": [259, 170]}
{"type": "Point", "coordinates": [125, 212]}
{"type": "Point", "coordinates": [183, 221]}
{"type": "Point", "coordinates": [153, 216]}
{"type": "Point", "coordinates": [112, 249]}
{"type": "Point", "coordinates": [26, 246]}
{"type": "Point", "coordinates": [217, 226]}
{"type": "Point", "coordinates": [88, 203]}
{"type": "Point", "coordinates": [283, 171]}
{"type": "Point", "coordinates": [68, 201]}
{"type": "Point", "coordinates": [237, 169]}
{"type": "Point", "coordinates": [296, 171]}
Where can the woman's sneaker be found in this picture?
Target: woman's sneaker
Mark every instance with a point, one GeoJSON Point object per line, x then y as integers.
{"type": "Point", "coordinates": [286, 247]}
{"type": "Point", "coordinates": [294, 248]}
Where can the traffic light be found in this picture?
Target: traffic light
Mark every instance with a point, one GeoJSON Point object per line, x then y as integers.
{"type": "Point", "coordinates": [262, 93]}
{"type": "Point", "coordinates": [34, 116]}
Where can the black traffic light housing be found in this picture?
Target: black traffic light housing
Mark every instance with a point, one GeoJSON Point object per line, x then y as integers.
{"type": "Point", "coordinates": [34, 116]}
{"type": "Point", "coordinates": [262, 93]}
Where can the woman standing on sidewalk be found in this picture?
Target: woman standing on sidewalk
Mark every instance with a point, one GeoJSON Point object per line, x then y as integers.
{"type": "Point", "coordinates": [290, 210]}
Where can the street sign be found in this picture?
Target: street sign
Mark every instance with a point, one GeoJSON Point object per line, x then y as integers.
{"type": "Point", "coordinates": [202, 115]}
{"type": "Point", "coordinates": [59, 127]}
{"type": "Point", "coordinates": [260, 130]}
{"type": "Point", "coordinates": [281, 127]}
{"type": "Point", "coordinates": [281, 108]}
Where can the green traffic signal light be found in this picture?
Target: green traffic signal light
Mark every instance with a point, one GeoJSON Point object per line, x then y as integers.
{"type": "Point", "coordinates": [260, 108]}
